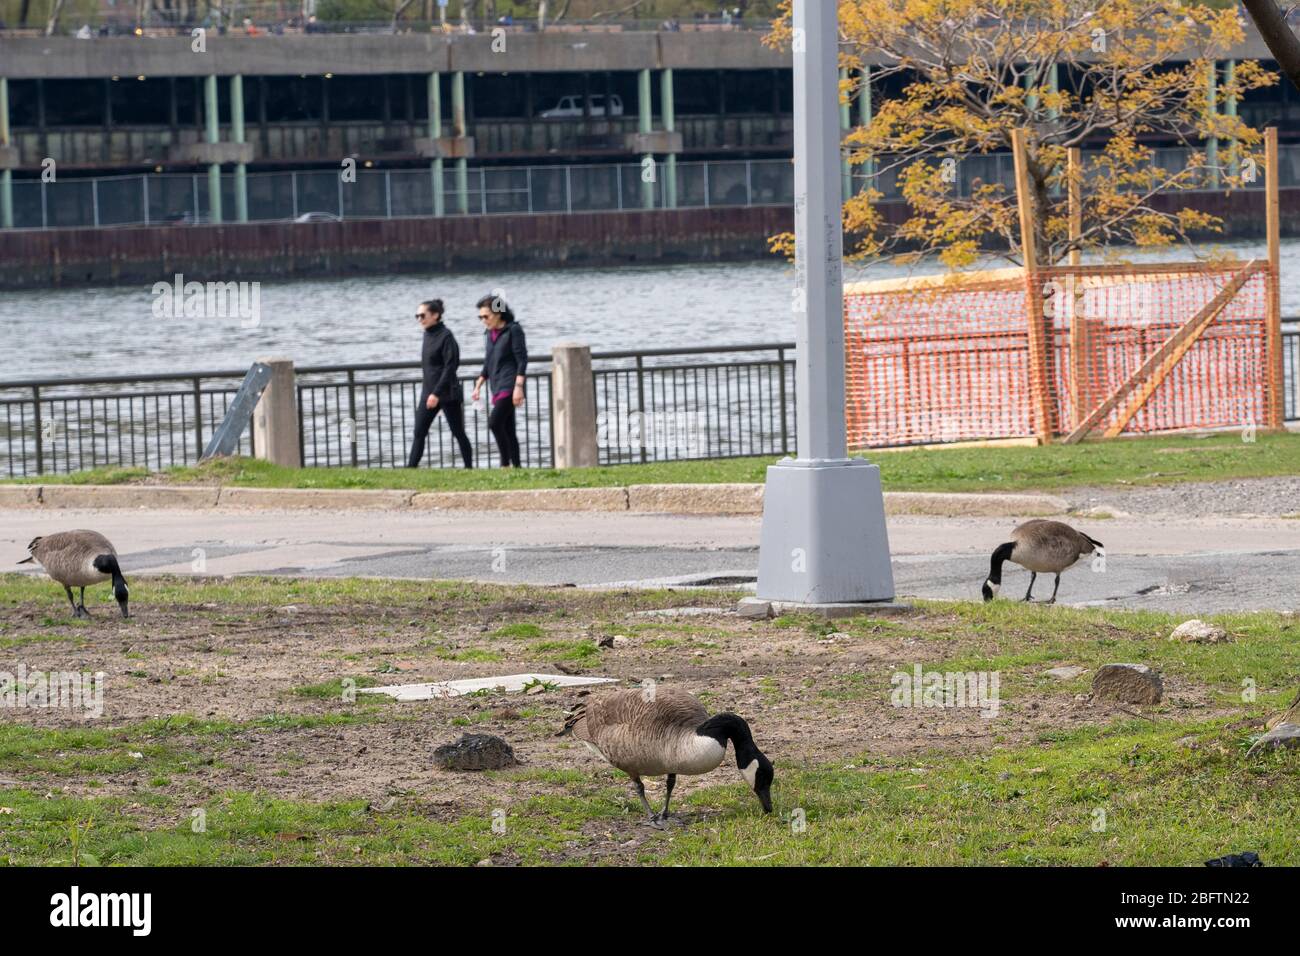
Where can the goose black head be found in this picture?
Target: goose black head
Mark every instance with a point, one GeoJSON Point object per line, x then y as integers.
{"type": "Point", "coordinates": [757, 771]}
{"type": "Point", "coordinates": [994, 580]}
{"type": "Point", "coordinates": [107, 564]}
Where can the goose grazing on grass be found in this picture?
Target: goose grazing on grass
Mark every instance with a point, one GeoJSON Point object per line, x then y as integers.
{"type": "Point", "coordinates": [660, 730]}
{"type": "Point", "coordinates": [1038, 546]}
{"type": "Point", "coordinates": [79, 559]}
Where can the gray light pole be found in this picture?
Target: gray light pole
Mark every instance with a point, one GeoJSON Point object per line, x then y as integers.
{"type": "Point", "coordinates": [824, 540]}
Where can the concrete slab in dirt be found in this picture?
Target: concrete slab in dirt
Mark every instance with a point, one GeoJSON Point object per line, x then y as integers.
{"type": "Point", "coordinates": [512, 683]}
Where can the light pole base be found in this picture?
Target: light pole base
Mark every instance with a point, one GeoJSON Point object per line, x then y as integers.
{"type": "Point", "coordinates": [824, 539]}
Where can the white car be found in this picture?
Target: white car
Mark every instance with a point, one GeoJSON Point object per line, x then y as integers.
{"type": "Point", "coordinates": [318, 217]}
{"type": "Point", "coordinates": [570, 107]}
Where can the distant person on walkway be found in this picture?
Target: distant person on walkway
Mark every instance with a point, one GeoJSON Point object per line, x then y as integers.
{"type": "Point", "coordinates": [504, 365]}
{"type": "Point", "coordinates": [440, 359]}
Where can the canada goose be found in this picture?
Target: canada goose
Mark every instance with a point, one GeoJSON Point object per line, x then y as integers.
{"type": "Point", "coordinates": [656, 731]}
{"type": "Point", "coordinates": [79, 559]}
{"type": "Point", "coordinates": [1038, 545]}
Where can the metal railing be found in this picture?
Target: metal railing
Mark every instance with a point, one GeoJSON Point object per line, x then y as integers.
{"type": "Point", "coordinates": [672, 405]}
{"type": "Point", "coordinates": [183, 199]}
{"type": "Point", "coordinates": [651, 404]}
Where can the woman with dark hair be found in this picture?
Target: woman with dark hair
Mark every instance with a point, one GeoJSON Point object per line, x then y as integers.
{"type": "Point", "coordinates": [440, 392]}
{"type": "Point", "coordinates": [504, 365]}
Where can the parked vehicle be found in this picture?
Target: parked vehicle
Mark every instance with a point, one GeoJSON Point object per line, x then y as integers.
{"type": "Point", "coordinates": [318, 217]}
{"type": "Point", "coordinates": [187, 219]}
{"type": "Point", "coordinates": [570, 107]}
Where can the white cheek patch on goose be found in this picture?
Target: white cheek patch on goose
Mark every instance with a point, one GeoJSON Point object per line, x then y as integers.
{"type": "Point", "coordinates": [750, 773]}
{"type": "Point", "coordinates": [992, 587]}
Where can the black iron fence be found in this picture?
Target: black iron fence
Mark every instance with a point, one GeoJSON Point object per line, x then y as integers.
{"type": "Point", "coordinates": [706, 402]}
{"type": "Point", "coordinates": [651, 405]}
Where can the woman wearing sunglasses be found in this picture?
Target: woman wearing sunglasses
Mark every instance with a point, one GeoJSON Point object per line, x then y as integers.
{"type": "Point", "coordinates": [504, 366]}
{"type": "Point", "coordinates": [441, 392]}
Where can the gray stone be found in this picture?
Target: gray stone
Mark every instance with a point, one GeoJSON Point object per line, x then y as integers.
{"type": "Point", "coordinates": [475, 752]}
{"type": "Point", "coordinates": [754, 608]}
{"type": "Point", "coordinates": [1283, 735]}
{"type": "Point", "coordinates": [1197, 631]}
{"type": "Point", "coordinates": [1067, 672]}
{"type": "Point", "coordinates": [1130, 683]}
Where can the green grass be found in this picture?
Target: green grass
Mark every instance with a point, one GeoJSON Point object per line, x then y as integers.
{"type": "Point", "coordinates": [1128, 795]}
{"type": "Point", "coordinates": [1138, 461]}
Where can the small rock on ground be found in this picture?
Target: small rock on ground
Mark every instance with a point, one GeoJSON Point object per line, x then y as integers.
{"type": "Point", "coordinates": [1129, 683]}
{"type": "Point", "coordinates": [1197, 631]}
{"type": "Point", "coordinates": [1283, 735]}
{"type": "Point", "coordinates": [1067, 672]}
{"type": "Point", "coordinates": [475, 752]}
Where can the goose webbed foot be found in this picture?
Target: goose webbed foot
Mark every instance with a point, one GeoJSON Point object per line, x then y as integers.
{"type": "Point", "coordinates": [1057, 587]}
{"type": "Point", "coordinates": [1029, 595]}
{"type": "Point", "coordinates": [652, 818]}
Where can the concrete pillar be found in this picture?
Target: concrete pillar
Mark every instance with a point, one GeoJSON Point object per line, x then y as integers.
{"type": "Point", "coordinates": [460, 131]}
{"type": "Point", "coordinates": [1230, 109]}
{"type": "Point", "coordinates": [275, 419]}
{"type": "Point", "coordinates": [846, 124]}
{"type": "Point", "coordinates": [573, 406]}
{"type": "Point", "coordinates": [435, 133]}
{"type": "Point", "coordinates": [237, 134]}
{"type": "Point", "coordinates": [7, 160]}
{"type": "Point", "coordinates": [669, 108]}
{"type": "Point", "coordinates": [1212, 104]}
{"type": "Point", "coordinates": [646, 110]}
{"type": "Point", "coordinates": [212, 135]}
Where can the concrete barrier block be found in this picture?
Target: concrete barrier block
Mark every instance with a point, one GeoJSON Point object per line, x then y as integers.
{"type": "Point", "coordinates": [972, 505]}
{"type": "Point", "coordinates": [541, 499]}
{"type": "Point", "coordinates": [318, 499]}
{"type": "Point", "coordinates": [720, 499]}
{"type": "Point", "coordinates": [128, 496]}
{"type": "Point", "coordinates": [20, 496]}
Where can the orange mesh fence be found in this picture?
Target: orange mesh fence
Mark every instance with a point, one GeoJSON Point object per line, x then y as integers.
{"type": "Point", "coordinates": [939, 361]}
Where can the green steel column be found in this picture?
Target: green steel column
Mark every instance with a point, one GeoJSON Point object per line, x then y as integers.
{"type": "Point", "coordinates": [669, 108]}
{"type": "Point", "coordinates": [646, 107]}
{"type": "Point", "coordinates": [1212, 103]}
{"type": "Point", "coordinates": [458, 120]}
{"type": "Point", "coordinates": [864, 120]}
{"type": "Point", "coordinates": [846, 124]}
{"type": "Point", "coordinates": [237, 134]}
{"type": "Point", "coordinates": [1031, 100]}
{"type": "Point", "coordinates": [1230, 109]}
{"type": "Point", "coordinates": [6, 175]}
{"type": "Point", "coordinates": [214, 169]}
{"type": "Point", "coordinates": [435, 134]}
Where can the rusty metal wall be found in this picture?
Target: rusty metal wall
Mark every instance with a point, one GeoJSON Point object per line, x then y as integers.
{"type": "Point", "coordinates": [73, 257]}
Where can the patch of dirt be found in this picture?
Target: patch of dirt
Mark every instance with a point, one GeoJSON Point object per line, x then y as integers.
{"type": "Point", "coordinates": [812, 694]}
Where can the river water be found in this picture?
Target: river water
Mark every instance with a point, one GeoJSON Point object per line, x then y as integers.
{"type": "Point", "coordinates": [114, 331]}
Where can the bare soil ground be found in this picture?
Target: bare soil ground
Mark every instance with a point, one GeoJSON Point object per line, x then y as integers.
{"type": "Point", "coordinates": [815, 692]}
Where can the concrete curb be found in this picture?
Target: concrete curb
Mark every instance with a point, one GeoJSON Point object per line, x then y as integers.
{"type": "Point", "coordinates": [314, 499]}
{"type": "Point", "coordinates": [538, 499]}
{"type": "Point", "coordinates": [698, 499]}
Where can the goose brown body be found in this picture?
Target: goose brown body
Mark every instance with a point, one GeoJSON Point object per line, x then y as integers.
{"type": "Point", "coordinates": [80, 559]}
{"type": "Point", "coordinates": [665, 731]}
{"type": "Point", "coordinates": [1040, 547]}
{"type": "Point", "coordinates": [648, 735]}
{"type": "Point", "coordinates": [69, 557]}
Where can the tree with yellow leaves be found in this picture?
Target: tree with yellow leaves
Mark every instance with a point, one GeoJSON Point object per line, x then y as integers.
{"type": "Point", "coordinates": [1107, 75]}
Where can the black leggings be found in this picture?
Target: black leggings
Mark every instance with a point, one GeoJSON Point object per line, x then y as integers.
{"type": "Point", "coordinates": [502, 424]}
{"type": "Point", "coordinates": [454, 413]}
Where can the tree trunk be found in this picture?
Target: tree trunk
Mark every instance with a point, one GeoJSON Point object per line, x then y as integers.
{"type": "Point", "coordinates": [1281, 42]}
{"type": "Point", "coordinates": [56, 11]}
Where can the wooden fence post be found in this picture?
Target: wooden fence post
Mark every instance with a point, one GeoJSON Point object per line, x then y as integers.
{"type": "Point", "coordinates": [1040, 359]}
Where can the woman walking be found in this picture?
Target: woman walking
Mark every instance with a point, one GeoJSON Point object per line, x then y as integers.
{"type": "Point", "coordinates": [504, 365]}
{"type": "Point", "coordinates": [440, 392]}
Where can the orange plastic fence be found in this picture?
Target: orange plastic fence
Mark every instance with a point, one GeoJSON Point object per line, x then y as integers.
{"type": "Point", "coordinates": [951, 362]}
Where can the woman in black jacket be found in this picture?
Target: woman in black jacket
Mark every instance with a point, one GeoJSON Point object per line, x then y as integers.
{"type": "Point", "coordinates": [504, 365]}
{"type": "Point", "coordinates": [440, 359]}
